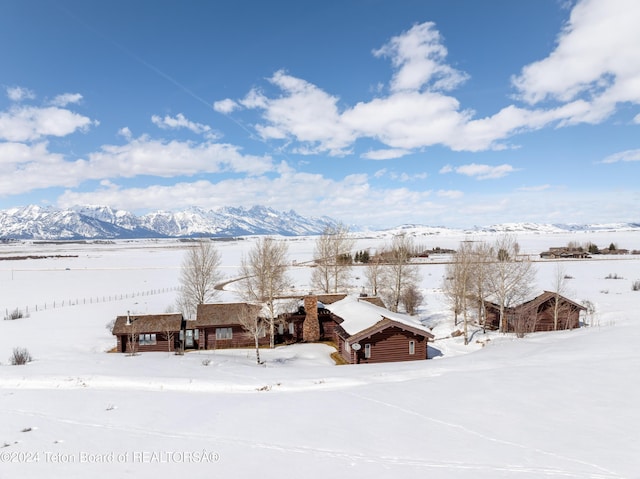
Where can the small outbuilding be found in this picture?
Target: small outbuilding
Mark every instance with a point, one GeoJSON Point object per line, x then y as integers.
{"type": "Point", "coordinates": [537, 314]}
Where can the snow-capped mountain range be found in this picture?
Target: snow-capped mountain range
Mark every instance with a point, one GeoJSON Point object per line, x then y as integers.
{"type": "Point", "coordinates": [102, 222]}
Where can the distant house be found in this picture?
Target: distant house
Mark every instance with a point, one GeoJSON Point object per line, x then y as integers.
{"type": "Point", "coordinates": [563, 252]}
{"type": "Point", "coordinates": [536, 314]}
{"type": "Point", "coordinates": [367, 333]}
{"type": "Point", "coordinates": [148, 332]}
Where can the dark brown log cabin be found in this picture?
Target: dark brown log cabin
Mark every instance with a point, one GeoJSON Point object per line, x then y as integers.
{"type": "Point", "coordinates": [367, 333]}
{"type": "Point", "coordinates": [149, 332]}
{"type": "Point", "coordinates": [218, 326]}
{"type": "Point", "coordinates": [536, 314]}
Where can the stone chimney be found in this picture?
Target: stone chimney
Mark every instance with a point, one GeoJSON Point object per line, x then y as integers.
{"type": "Point", "coordinates": [311, 326]}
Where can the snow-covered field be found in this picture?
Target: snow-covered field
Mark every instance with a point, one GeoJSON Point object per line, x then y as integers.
{"type": "Point", "coordinates": [562, 404]}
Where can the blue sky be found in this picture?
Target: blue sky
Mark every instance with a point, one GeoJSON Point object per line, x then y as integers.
{"type": "Point", "coordinates": [374, 112]}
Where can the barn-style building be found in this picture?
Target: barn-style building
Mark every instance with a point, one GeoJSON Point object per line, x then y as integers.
{"type": "Point", "coordinates": [537, 314]}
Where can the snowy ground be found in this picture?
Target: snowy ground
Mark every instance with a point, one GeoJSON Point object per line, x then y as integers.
{"type": "Point", "coordinates": [561, 404]}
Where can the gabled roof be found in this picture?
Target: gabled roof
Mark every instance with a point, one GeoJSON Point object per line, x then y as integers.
{"type": "Point", "coordinates": [537, 300]}
{"type": "Point", "coordinates": [147, 323]}
{"type": "Point", "coordinates": [361, 318]}
{"type": "Point", "coordinates": [547, 295]}
{"type": "Point", "coordinates": [223, 314]}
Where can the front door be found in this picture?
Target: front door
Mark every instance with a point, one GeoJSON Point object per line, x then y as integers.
{"type": "Point", "coordinates": [188, 339]}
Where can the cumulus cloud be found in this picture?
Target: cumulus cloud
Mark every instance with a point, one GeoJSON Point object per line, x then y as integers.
{"type": "Point", "coordinates": [451, 194]}
{"type": "Point", "coordinates": [147, 156]}
{"type": "Point", "coordinates": [388, 154]}
{"type": "Point", "coordinates": [484, 172]}
{"type": "Point", "coordinates": [347, 195]}
{"type": "Point", "coordinates": [419, 58]}
{"type": "Point", "coordinates": [414, 115]}
{"type": "Point", "coordinates": [596, 59]}
{"type": "Point", "coordinates": [66, 98]}
{"type": "Point", "coordinates": [17, 93]}
{"type": "Point", "coordinates": [594, 67]}
{"type": "Point", "coordinates": [30, 167]}
{"type": "Point", "coordinates": [29, 123]}
{"type": "Point", "coordinates": [225, 106]}
{"type": "Point", "coordinates": [628, 155]}
{"type": "Point", "coordinates": [180, 121]}
{"type": "Point", "coordinates": [534, 188]}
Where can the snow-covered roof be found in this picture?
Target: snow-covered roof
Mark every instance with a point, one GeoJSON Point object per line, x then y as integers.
{"type": "Point", "coordinates": [360, 315]}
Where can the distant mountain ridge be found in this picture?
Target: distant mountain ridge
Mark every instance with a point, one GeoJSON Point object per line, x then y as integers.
{"type": "Point", "coordinates": [102, 222]}
{"type": "Point", "coordinates": [541, 228]}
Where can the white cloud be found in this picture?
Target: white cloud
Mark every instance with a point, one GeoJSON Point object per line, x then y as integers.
{"type": "Point", "coordinates": [388, 154]}
{"type": "Point", "coordinates": [30, 167]}
{"type": "Point", "coordinates": [346, 196]}
{"type": "Point", "coordinates": [65, 99]}
{"type": "Point", "coordinates": [418, 56]}
{"type": "Point", "coordinates": [304, 112]}
{"type": "Point", "coordinates": [596, 59]}
{"type": "Point", "coordinates": [485, 172]}
{"type": "Point", "coordinates": [628, 155]}
{"type": "Point", "coordinates": [180, 121]}
{"type": "Point", "coordinates": [17, 93]}
{"type": "Point", "coordinates": [27, 123]}
{"type": "Point", "coordinates": [534, 188]}
{"type": "Point", "coordinates": [594, 67]}
{"type": "Point", "coordinates": [225, 106]}
{"type": "Point", "coordinates": [125, 132]}
{"type": "Point", "coordinates": [446, 169]}
{"type": "Point", "coordinates": [451, 194]}
{"type": "Point", "coordinates": [146, 156]}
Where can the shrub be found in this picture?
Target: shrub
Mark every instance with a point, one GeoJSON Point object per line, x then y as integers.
{"type": "Point", "coordinates": [635, 286]}
{"type": "Point", "coordinates": [20, 356]}
{"type": "Point", "coordinates": [16, 314]}
{"type": "Point", "coordinates": [613, 276]}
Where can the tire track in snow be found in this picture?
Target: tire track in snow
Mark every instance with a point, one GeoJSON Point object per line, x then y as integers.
{"type": "Point", "coordinates": [352, 457]}
{"type": "Point", "coordinates": [605, 473]}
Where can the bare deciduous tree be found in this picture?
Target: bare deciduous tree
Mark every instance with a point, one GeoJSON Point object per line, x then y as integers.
{"type": "Point", "coordinates": [254, 325]}
{"type": "Point", "coordinates": [399, 272]}
{"type": "Point", "coordinates": [199, 276]}
{"type": "Point", "coordinates": [373, 273]}
{"type": "Point", "coordinates": [133, 334]}
{"type": "Point", "coordinates": [264, 277]}
{"type": "Point", "coordinates": [480, 267]}
{"type": "Point", "coordinates": [411, 299]}
{"type": "Point", "coordinates": [458, 285]}
{"type": "Point", "coordinates": [559, 289]}
{"type": "Point", "coordinates": [511, 277]}
{"type": "Point", "coordinates": [332, 256]}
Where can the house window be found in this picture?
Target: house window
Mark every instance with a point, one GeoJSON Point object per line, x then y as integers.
{"type": "Point", "coordinates": [412, 347]}
{"type": "Point", "coordinates": [147, 339]}
{"type": "Point", "coordinates": [196, 334]}
{"type": "Point", "coordinates": [347, 347]}
{"type": "Point", "coordinates": [367, 351]}
{"type": "Point", "coordinates": [281, 329]}
{"type": "Point", "coordinates": [292, 328]}
{"type": "Point", "coordinates": [224, 333]}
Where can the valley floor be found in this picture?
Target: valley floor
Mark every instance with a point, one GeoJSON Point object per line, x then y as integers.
{"type": "Point", "coordinates": [560, 404]}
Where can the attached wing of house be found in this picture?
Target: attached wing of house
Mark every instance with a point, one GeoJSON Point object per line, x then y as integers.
{"type": "Point", "coordinates": [368, 333]}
